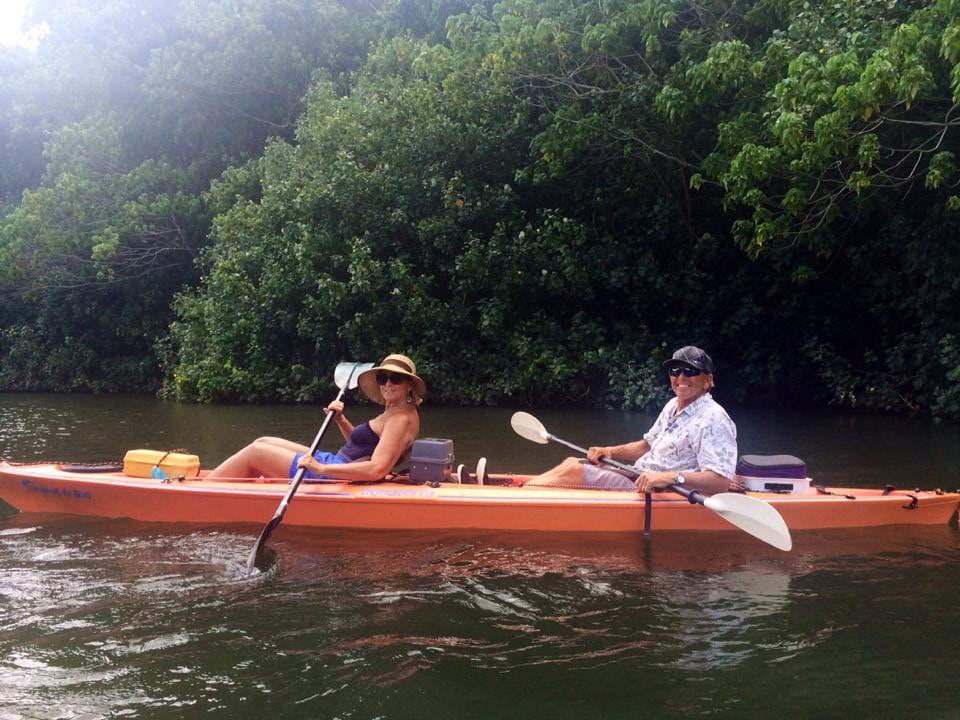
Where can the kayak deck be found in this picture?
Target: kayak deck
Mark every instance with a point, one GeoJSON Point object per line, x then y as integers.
{"type": "Point", "coordinates": [506, 505]}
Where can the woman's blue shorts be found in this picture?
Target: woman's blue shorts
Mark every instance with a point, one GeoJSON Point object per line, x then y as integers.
{"type": "Point", "coordinates": [321, 456]}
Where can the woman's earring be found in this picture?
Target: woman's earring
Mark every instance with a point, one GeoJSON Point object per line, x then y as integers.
{"type": "Point", "coordinates": [409, 397]}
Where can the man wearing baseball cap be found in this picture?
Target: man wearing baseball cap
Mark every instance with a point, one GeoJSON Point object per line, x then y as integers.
{"type": "Point", "coordinates": [692, 443]}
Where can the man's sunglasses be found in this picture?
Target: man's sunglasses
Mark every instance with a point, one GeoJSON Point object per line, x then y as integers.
{"type": "Point", "coordinates": [395, 378]}
{"type": "Point", "coordinates": [687, 371]}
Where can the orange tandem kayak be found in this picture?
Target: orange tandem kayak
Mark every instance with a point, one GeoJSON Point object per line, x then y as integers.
{"type": "Point", "coordinates": [501, 504]}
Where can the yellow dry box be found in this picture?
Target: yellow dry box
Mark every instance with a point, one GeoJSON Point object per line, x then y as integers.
{"type": "Point", "coordinates": [141, 463]}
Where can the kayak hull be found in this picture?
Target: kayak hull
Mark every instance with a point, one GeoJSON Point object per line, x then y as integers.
{"type": "Point", "coordinates": [401, 506]}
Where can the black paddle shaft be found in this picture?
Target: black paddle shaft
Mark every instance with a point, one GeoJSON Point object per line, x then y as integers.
{"type": "Point", "coordinates": [297, 479]}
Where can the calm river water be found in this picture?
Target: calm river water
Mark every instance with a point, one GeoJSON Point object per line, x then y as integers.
{"type": "Point", "coordinates": [118, 619]}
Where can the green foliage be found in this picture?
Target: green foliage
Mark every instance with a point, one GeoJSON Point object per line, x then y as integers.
{"type": "Point", "coordinates": [806, 118]}
{"type": "Point", "coordinates": [88, 264]}
{"type": "Point", "coordinates": [355, 245]}
{"type": "Point", "coordinates": [843, 122]}
{"type": "Point", "coordinates": [536, 199]}
{"type": "Point", "coordinates": [237, 72]}
{"type": "Point", "coordinates": [137, 106]}
{"type": "Point", "coordinates": [74, 73]}
{"type": "Point", "coordinates": [947, 403]}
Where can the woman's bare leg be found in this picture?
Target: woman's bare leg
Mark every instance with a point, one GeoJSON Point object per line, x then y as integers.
{"type": "Point", "coordinates": [264, 457]}
{"type": "Point", "coordinates": [283, 443]}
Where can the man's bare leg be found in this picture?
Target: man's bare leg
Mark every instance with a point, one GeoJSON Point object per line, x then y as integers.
{"type": "Point", "coordinates": [569, 473]}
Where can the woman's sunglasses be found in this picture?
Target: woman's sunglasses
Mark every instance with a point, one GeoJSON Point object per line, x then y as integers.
{"type": "Point", "coordinates": [687, 371]}
{"type": "Point", "coordinates": [395, 378]}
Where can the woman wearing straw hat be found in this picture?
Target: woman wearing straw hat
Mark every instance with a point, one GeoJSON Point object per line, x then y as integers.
{"type": "Point", "coordinates": [371, 449]}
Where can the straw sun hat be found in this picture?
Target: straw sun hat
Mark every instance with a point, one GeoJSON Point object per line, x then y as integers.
{"type": "Point", "coordinates": [395, 363]}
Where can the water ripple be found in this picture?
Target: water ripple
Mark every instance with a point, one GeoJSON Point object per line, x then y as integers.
{"type": "Point", "coordinates": [114, 618]}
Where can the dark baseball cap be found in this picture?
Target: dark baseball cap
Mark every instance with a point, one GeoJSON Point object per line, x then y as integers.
{"type": "Point", "coordinates": [691, 356]}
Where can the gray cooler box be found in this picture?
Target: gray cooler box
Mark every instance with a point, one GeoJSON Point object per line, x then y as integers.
{"type": "Point", "coordinates": [431, 460]}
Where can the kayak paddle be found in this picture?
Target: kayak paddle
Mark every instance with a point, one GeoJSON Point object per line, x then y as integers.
{"type": "Point", "coordinates": [345, 377]}
{"type": "Point", "coordinates": [750, 514]}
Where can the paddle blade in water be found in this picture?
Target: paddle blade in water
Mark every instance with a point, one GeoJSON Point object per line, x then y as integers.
{"type": "Point", "coordinates": [258, 557]}
{"type": "Point", "coordinates": [528, 427]}
{"type": "Point", "coordinates": [753, 516]}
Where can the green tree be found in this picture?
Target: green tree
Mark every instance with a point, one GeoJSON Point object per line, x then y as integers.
{"type": "Point", "coordinates": [797, 126]}
{"type": "Point", "coordinates": [536, 199]}
{"type": "Point", "coordinates": [89, 263]}
{"type": "Point", "coordinates": [137, 105]}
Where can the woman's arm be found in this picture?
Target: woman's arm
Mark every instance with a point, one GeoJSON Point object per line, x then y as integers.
{"type": "Point", "coordinates": [343, 425]}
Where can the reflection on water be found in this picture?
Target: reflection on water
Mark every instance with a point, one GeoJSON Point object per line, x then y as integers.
{"type": "Point", "coordinates": [111, 618]}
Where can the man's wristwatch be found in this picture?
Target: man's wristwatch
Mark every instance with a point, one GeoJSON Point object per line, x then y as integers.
{"type": "Point", "coordinates": [680, 479]}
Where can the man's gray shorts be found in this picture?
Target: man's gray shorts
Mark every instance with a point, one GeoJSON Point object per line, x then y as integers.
{"type": "Point", "coordinates": [596, 477]}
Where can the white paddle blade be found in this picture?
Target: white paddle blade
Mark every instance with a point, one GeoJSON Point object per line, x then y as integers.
{"type": "Point", "coordinates": [346, 373]}
{"type": "Point", "coordinates": [528, 427]}
{"type": "Point", "coordinates": [753, 516]}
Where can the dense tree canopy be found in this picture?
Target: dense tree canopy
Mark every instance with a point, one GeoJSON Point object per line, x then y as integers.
{"type": "Point", "coordinates": [537, 199]}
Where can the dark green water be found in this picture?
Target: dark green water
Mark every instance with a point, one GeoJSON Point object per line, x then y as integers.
{"type": "Point", "coordinates": [117, 619]}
